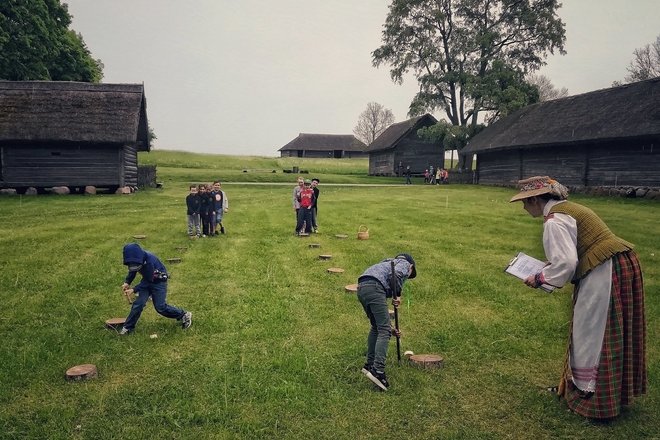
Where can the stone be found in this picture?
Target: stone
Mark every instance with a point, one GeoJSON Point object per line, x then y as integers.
{"type": "Point", "coordinates": [60, 190]}
{"type": "Point", "coordinates": [8, 192]}
{"type": "Point", "coordinates": [31, 191]}
{"type": "Point", "coordinates": [90, 190]}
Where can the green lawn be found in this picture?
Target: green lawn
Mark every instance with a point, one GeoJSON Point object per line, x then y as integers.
{"type": "Point", "coordinates": [276, 345]}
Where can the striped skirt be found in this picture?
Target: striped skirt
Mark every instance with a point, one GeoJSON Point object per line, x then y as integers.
{"type": "Point", "coordinates": [622, 365]}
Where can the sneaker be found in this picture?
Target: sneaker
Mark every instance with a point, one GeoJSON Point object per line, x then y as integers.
{"type": "Point", "coordinates": [217, 233]}
{"type": "Point", "coordinates": [378, 378]}
{"type": "Point", "coordinates": [124, 331]}
{"type": "Point", "coordinates": [222, 229]}
{"type": "Point", "coordinates": [366, 368]}
{"type": "Point", "coordinates": [186, 320]}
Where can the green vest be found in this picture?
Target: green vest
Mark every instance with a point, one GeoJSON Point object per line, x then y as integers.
{"type": "Point", "coordinates": [595, 242]}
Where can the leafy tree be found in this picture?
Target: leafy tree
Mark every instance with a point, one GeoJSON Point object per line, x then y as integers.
{"type": "Point", "coordinates": [37, 44]}
{"type": "Point", "coordinates": [645, 64]}
{"type": "Point", "coordinates": [372, 122]}
{"type": "Point", "coordinates": [547, 91]}
{"type": "Point", "coordinates": [469, 56]}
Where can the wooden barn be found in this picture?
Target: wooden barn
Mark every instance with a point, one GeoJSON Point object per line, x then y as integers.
{"type": "Point", "coordinates": [399, 147]}
{"type": "Point", "coordinates": [335, 146]}
{"type": "Point", "coordinates": [71, 134]}
{"type": "Point", "coordinates": [608, 137]}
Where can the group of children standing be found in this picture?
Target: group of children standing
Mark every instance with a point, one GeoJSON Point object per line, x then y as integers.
{"type": "Point", "coordinates": [305, 204]}
{"type": "Point", "coordinates": [206, 206]}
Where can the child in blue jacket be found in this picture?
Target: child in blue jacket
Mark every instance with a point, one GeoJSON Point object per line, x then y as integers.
{"type": "Point", "coordinates": [153, 283]}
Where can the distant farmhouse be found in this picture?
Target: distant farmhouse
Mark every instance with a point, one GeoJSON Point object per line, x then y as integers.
{"type": "Point", "coordinates": [399, 147]}
{"type": "Point", "coordinates": [71, 134]}
{"type": "Point", "coordinates": [324, 145]}
{"type": "Point", "coordinates": [608, 137]}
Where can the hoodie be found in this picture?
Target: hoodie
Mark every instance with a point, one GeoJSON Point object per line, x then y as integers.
{"type": "Point", "coordinates": [151, 265]}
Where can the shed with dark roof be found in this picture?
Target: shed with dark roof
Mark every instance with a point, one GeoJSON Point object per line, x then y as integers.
{"type": "Point", "coordinates": [71, 134]}
{"type": "Point", "coordinates": [608, 137]}
{"type": "Point", "coordinates": [324, 145]}
{"type": "Point", "coordinates": [399, 147]}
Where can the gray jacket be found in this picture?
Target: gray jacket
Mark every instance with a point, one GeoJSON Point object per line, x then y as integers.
{"type": "Point", "coordinates": [382, 273]}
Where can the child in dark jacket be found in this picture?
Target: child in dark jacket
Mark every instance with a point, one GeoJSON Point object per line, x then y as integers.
{"type": "Point", "coordinates": [206, 209]}
{"type": "Point", "coordinates": [153, 283]}
{"type": "Point", "coordinates": [193, 204]}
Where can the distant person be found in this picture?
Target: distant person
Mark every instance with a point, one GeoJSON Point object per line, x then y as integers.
{"type": "Point", "coordinates": [315, 204]}
{"type": "Point", "coordinates": [431, 175]}
{"type": "Point", "coordinates": [306, 200]}
{"type": "Point", "coordinates": [193, 205]}
{"type": "Point", "coordinates": [300, 184]}
{"type": "Point", "coordinates": [438, 176]}
{"type": "Point", "coordinates": [399, 170]}
{"type": "Point", "coordinates": [445, 176]}
{"type": "Point", "coordinates": [220, 207]}
{"type": "Point", "coordinates": [426, 176]}
{"type": "Point", "coordinates": [206, 209]}
{"type": "Point", "coordinates": [605, 364]}
{"type": "Point", "coordinates": [153, 284]}
{"type": "Point", "coordinates": [408, 173]}
{"type": "Point", "coordinates": [375, 285]}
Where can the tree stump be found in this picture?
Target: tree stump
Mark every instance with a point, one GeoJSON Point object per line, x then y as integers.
{"type": "Point", "coordinates": [139, 237]}
{"type": "Point", "coordinates": [181, 248]}
{"type": "Point", "coordinates": [315, 245]}
{"type": "Point", "coordinates": [351, 288]}
{"type": "Point", "coordinates": [115, 323]}
{"type": "Point", "coordinates": [335, 270]}
{"type": "Point", "coordinates": [325, 257]}
{"type": "Point", "coordinates": [81, 372]}
{"type": "Point", "coordinates": [341, 235]}
{"type": "Point", "coordinates": [174, 260]}
{"type": "Point", "coordinates": [427, 360]}
{"type": "Point", "coordinates": [303, 234]}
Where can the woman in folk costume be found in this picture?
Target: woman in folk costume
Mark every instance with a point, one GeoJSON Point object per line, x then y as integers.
{"type": "Point", "coordinates": [605, 363]}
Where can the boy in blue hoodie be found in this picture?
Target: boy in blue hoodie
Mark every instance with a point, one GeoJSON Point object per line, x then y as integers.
{"type": "Point", "coordinates": [153, 283]}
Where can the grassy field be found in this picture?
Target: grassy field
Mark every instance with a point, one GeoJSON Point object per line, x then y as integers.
{"type": "Point", "coordinates": [276, 345]}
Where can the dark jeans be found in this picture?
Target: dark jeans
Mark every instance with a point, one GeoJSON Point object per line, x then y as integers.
{"type": "Point", "coordinates": [372, 297]}
{"type": "Point", "coordinates": [304, 216]}
{"type": "Point", "coordinates": [158, 293]}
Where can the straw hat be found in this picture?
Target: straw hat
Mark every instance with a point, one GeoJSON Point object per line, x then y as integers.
{"type": "Point", "coordinates": [537, 185]}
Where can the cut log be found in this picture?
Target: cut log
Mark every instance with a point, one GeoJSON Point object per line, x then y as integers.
{"type": "Point", "coordinates": [335, 270]}
{"type": "Point", "coordinates": [303, 234]}
{"type": "Point", "coordinates": [139, 237]}
{"type": "Point", "coordinates": [341, 235]}
{"type": "Point", "coordinates": [174, 260]}
{"type": "Point", "coordinates": [115, 323]}
{"type": "Point", "coordinates": [82, 372]}
{"type": "Point", "coordinates": [427, 360]}
{"type": "Point", "coordinates": [351, 288]}
{"type": "Point", "coordinates": [325, 257]}
{"type": "Point", "coordinates": [315, 245]}
{"type": "Point", "coordinates": [181, 248]}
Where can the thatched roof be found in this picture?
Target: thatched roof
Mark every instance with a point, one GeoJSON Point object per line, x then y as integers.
{"type": "Point", "coordinates": [628, 111]}
{"type": "Point", "coordinates": [325, 142]}
{"type": "Point", "coordinates": [73, 112]}
{"type": "Point", "coordinates": [395, 132]}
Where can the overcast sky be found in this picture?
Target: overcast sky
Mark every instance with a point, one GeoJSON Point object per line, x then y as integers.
{"type": "Point", "coordinates": [247, 76]}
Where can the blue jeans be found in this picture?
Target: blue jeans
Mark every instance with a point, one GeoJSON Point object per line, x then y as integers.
{"type": "Point", "coordinates": [158, 293]}
{"type": "Point", "coordinates": [372, 297]}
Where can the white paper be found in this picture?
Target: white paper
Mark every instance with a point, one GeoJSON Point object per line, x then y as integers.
{"type": "Point", "coordinates": [522, 266]}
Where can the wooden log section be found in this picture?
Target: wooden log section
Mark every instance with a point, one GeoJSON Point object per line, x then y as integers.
{"type": "Point", "coordinates": [139, 236]}
{"type": "Point", "coordinates": [341, 235]}
{"type": "Point", "coordinates": [82, 372]}
{"type": "Point", "coordinates": [115, 323]}
{"type": "Point", "coordinates": [315, 245]}
{"type": "Point", "coordinates": [335, 270]}
{"type": "Point", "coordinates": [174, 260]}
{"type": "Point", "coordinates": [352, 288]}
{"type": "Point", "coordinates": [325, 257]}
{"type": "Point", "coordinates": [427, 360]}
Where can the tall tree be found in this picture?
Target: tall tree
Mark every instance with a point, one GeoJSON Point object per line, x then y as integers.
{"type": "Point", "coordinates": [547, 90]}
{"type": "Point", "coordinates": [37, 44]}
{"type": "Point", "coordinates": [372, 122]}
{"type": "Point", "coordinates": [469, 56]}
{"type": "Point", "coordinates": [645, 64]}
